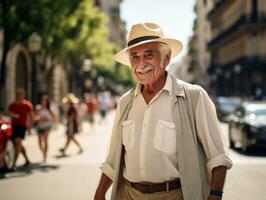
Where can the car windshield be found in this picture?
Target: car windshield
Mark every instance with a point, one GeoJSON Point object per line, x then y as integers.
{"type": "Point", "coordinates": [229, 103]}
{"type": "Point", "coordinates": [257, 111]}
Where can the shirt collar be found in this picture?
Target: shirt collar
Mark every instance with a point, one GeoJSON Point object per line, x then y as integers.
{"type": "Point", "coordinates": [137, 90]}
{"type": "Point", "coordinates": [167, 86]}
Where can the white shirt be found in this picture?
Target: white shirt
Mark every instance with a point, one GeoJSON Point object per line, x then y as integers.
{"type": "Point", "coordinates": [45, 118]}
{"type": "Point", "coordinates": [149, 138]}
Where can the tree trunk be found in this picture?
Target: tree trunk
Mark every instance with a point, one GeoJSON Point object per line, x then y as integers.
{"type": "Point", "coordinates": [5, 43]}
{"type": "Point", "coordinates": [3, 62]}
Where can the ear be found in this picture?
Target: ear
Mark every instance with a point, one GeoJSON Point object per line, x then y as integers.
{"type": "Point", "coordinates": [167, 59]}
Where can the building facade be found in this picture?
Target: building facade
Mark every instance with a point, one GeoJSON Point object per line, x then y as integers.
{"type": "Point", "coordinates": [198, 54]}
{"type": "Point", "coordinates": [51, 79]}
{"type": "Point", "coordinates": [116, 26]}
{"type": "Point", "coordinates": [237, 47]}
{"type": "Point", "coordinates": [18, 73]}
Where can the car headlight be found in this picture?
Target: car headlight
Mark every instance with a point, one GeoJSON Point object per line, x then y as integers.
{"type": "Point", "coordinates": [4, 127]}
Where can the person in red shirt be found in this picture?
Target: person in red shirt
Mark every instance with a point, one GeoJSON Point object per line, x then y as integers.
{"type": "Point", "coordinates": [92, 107]}
{"type": "Point", "coordinates": [19, 112]}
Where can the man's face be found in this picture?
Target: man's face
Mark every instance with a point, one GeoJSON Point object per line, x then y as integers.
{"type": "Point", "coordinates": [146, 63]}
{"type": "Point", "coordinates": [20, 95]}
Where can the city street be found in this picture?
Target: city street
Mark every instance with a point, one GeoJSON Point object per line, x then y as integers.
{"type": "Point", "coordinates": [75, 177]}
{"type": "Point", "coordinates": [68, 177]}
{"type": "Point", "coordinates": [62, 60]}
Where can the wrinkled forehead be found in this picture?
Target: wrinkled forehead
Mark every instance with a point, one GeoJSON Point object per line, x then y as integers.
{"type": "Point", "coordinates": [145, 47]}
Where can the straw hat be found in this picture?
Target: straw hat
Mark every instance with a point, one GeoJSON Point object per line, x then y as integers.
{"type": "Point", "coordinates": [70, 98]}
{"type": "Point", "coordinates": [146, 33]}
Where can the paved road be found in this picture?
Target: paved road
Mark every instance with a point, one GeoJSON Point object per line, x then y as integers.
{"type": "Point", "coordinates": [71, 177]}
{"type": "Point", "coordinates": [247, 178]}
{"type": "Point", "coordinates": [75, 177]}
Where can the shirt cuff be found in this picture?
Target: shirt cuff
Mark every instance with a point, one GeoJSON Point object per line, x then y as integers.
{"type": "Point", "coordinates": [107, 170]}
{"type": "Point", "coordinates": [220, 160]}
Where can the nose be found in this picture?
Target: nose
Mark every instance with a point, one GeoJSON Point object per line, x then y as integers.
{"type": "Point", "coordinates": [142, 62]}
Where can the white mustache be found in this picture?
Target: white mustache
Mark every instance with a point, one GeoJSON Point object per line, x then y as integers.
{"type": "Point", "coordinates": [145, 69]}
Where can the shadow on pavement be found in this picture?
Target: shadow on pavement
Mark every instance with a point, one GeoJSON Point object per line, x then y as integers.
{"type": "Point", "coordinates": [62, 156]}
{"type": "Point", "coordinates": [22, 171]}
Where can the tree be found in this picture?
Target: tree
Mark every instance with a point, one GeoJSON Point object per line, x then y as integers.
{"type": "Point", "coordinates": [20, 18]}
{"type": "Point", "coordinates": [86, 37]}
{"type": "Point", "coordinates": [71, 30]}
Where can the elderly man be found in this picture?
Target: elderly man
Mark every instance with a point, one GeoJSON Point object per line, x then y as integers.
{"type": "Point", "coordinates": [166, 141]}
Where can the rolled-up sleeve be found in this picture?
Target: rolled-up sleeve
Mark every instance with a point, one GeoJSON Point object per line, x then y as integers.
{"type": "Point", "coordinates": [210, 133]}
{"type": "Point", "coordinates": [108, 166]}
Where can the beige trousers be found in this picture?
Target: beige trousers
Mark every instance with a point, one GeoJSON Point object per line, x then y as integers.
{"type": "Point", "coordinates": [126, 192]}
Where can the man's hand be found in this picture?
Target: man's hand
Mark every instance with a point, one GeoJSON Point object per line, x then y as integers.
{"type": "Point", "coordinates": [217, 182]}
{"type": "Point", "coordinates": [212, 197]}
{"type": "Point", "coordinates": [99, 197]}
{"type": "Point", "coordinates": [13, 115]}
{"type": "Point", "coordinates": [103, 186]}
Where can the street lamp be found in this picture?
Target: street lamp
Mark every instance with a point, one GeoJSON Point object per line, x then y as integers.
{"type": "Point", "coordinates": [34, 46]}
{"type": "Point", "coordinates": [87, 65]}
{"type": "Point", "coordinates": [86, 70]}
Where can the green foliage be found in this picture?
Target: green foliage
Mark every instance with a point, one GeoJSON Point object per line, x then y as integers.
{"type": "Point", "coordinates": [71, 31]}
{"type": "Point", "coordinates": [86, 35]}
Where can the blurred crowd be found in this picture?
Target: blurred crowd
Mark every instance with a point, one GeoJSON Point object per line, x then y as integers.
{"type": "Point", "coordinates": [22, 117]}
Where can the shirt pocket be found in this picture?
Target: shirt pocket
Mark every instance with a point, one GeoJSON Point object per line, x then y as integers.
{"type": "Point", "coordinates": [128, 134]}
{"type": "Point", "coordinates": [165, 137]}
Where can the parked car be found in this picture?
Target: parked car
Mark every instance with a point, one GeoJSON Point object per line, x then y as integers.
{"type": "Point", "coordinates": [247, 126]}
{"type": "Point", "coordinates": [6, 146]}
{"type": "Point", "coordinates": [225, 106]}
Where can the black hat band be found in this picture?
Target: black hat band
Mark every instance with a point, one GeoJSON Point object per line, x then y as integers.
{"type": "Point", "coordinates": [141, 39]}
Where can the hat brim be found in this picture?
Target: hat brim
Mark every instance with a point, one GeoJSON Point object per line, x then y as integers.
{"type": "Point", "coordinates": [70, 99]}
{"type": "Point", "coordinates": [175, 46]}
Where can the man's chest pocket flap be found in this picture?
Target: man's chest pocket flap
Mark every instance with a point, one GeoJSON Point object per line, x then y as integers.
{"type": "Point", "coordinates": [165, 136]}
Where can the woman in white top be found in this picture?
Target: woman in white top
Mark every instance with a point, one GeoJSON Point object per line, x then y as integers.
{"type": "Point", "coordinates": [45, 119]}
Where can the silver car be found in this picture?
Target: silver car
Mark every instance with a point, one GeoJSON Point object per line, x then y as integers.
{"type": "Point", "coordinates": [247, 125]}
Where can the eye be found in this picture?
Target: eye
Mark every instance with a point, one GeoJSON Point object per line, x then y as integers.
{"type": "Point", "coordinates": [149, 55]}
{"type": "Point", "coordinates": [134, 57]}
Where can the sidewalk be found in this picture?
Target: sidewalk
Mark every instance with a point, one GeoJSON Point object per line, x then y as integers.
{"type": "Point", "coordinates": [63, 177]}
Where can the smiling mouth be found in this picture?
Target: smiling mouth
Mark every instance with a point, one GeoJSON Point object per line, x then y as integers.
{"type": "Point", "coordinates": [145, 70]}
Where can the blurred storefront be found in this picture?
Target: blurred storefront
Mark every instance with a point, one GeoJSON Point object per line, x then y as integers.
{"type": "Point", "coordinates": [237, 47]}
{"type": "Point", "coordinates": [48, 78]}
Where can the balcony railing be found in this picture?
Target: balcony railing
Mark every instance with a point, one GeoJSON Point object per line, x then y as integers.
{"type": "Point", "coordinates": [243, 21]}
{"type": "Point", "coordinates": [246, 62]}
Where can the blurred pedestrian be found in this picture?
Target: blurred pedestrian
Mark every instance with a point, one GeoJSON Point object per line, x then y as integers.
{"type": "Point", "coordinates": [45, 118]}
{"type": "Point", "coordinates": [72, 124]}
{"type": "Point", "coordinates": [19, 111]}
{"type": "Point", "coordinates": [104, 103]}
{"type": "Point", "coordinates": [91, 110]}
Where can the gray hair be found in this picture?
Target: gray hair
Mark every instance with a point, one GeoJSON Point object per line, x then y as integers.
{"type": "Point", "coordinates": [165, 49]}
